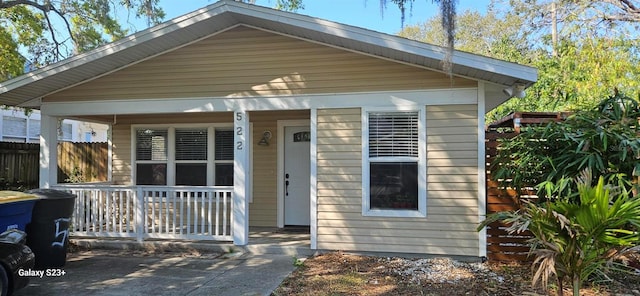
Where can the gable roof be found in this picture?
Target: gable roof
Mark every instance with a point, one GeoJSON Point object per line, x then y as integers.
{"type": "Point", "coordinates": [226, 14]}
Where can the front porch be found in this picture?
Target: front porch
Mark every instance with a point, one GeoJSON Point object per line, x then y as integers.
{"type": "Point", "coordinates": [199, 217]}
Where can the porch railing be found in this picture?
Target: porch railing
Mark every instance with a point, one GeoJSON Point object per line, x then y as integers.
{"type": "Point", "coordinates": [142, 212]}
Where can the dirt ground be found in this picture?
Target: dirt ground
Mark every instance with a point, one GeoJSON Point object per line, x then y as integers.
{"type": "Point", "coordinates": [339, 273]}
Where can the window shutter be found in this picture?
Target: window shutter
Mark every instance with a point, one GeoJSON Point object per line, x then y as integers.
{"type": "Point", "coordinates": [224, 145]}
{"type": "Point", "coordinates": [191, 144]}
{"type": "Point", "coordinates": [393, 134]}
{"type": "Point", "coordinates": [151, 144]}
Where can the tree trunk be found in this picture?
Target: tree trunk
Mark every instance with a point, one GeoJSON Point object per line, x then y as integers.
{"type": "Point", "coordinates": [554, 29]}
{"type": "Point", "coordinates": [560, 288]}
{"type": "Point", "coordinates": [576, 285]}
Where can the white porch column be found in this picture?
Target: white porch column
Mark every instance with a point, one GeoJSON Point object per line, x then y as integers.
{"type": "Point", "coordinates": [48, 151]}
{"type": "Point", "coordinates": [241, 177]}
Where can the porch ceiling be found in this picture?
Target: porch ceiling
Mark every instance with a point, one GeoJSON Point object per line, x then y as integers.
{"type": "Point", "coordinates": [218, 17]}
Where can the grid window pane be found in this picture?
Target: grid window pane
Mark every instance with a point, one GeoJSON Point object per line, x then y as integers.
{"type": "Point", "coordinates": [192, 174]}
{"type": "Point", "coordinates": [393, 134]}
{"type": "Point", "coordinates": [224, 145]}
{"type": "Point", "coordinates": [394, 186]}
{"type": "Point", "coordinates": [191, 144]}
{"type": "Point", "coordinates": [224, 174]}
{"type": "Point", "coordinates": [151, 144]}
{"type": "Point", "coordinates": [151, 174]}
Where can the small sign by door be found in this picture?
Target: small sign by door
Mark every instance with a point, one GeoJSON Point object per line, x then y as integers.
{"type": "Point", "coordinates": [301, 137]}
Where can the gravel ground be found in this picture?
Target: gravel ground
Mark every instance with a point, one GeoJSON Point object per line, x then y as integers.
{"type": "Point", "coordinates": [339, 273]}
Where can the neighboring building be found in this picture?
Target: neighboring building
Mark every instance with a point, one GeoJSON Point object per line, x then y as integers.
{"type": "Point", "coordinates": [17, 125]}
{"type": "Point", "coordinates": [298, 120]}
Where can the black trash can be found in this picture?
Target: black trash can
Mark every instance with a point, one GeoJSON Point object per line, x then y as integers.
{"type": "Point", "coordinates": [48, 232]}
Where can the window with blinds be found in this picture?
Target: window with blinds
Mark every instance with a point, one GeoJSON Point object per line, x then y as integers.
{"type": "Point", "coordinates": [224, 158]}
{"type": "Point", "coordinates": [184, 156]}
{"type": "Point", "coordinates": [224, 145]}
{"type": "Point", "coordinates": [14, 129]}
{"type": "Point", "coordinates": [151, 144]}
{"type": "Point", "coordinates": [151, 156]}
{"type": "Point", "coordinates": [393, 134]}
{"type": "Point", "coordinates": [393, 162]}
{"type": "Point", "coordinates": [191, 156]}
{"type": "Point", "coordinates": [191, 144]}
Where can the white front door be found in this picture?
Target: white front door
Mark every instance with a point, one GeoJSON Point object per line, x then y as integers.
{"type": "Point", "coordinates": [296, 175]}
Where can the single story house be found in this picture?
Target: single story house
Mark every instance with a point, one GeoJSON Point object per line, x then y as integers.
{"type": "Point", "coordinates": [237, 115]}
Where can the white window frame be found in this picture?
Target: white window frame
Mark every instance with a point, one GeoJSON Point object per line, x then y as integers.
{"type": "Point", "coordinates": [421, 160]}
{"type": "Point", "coordinates": [171, 156]}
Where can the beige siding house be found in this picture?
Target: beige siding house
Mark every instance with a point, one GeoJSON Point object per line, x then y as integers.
{"type": "Point", "coordinates": [238, 116]}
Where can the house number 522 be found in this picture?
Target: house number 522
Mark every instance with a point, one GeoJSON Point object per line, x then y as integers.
{"type": "Point", "coordinates": [239, 131]}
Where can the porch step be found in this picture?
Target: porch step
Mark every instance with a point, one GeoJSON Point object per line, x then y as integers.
{"type": "Point", "coordinates": [295, 250]}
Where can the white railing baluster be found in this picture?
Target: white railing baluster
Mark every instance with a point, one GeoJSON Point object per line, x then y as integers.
{"type": "Point", "coordinates": [166, 208]}
{"type": "Point", "coordinates": [217, 212]}
{"type": "Point", "coordinates": [195, 213]}
{"type": "Point", "coordinates": [161, 195]}
{"type": "Point", "coordinates": [153, 211]}
{"type": "Point", "coordinates": [107, 216]}
{"type": "Point", "coordinates": [224, 216]}
{"type": "Point", "coordinates": [209, 215]}
{"type": "Point", "coordinates": [175, 212]}
{"type": "Point", "coordinates": [189, 220]}
{"type": "Point", "coordinates": [203, 200]}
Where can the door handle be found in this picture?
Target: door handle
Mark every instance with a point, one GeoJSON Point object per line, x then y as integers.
{"type": "Point", "coordinates": [286, 188]}
{"type": "Point", "coordinates": [286, 185]}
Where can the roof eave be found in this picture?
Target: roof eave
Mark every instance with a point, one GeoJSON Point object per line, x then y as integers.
{"type": "Point", "coordinates": [224, 14]}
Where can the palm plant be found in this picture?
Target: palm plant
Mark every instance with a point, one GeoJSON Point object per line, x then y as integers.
{"type": "Point", "coordinates": [575, 240]}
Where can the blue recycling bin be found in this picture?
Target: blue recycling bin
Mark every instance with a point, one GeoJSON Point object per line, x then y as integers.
{"type": "Point", "coordinates": [16, 209]}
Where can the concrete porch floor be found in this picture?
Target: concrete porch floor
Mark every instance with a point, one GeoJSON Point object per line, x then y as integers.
{"type": "Point", "coordinates": [292, 241]}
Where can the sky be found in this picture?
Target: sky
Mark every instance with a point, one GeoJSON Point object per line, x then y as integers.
{"type": "Point", "coordinates": [360, 13]}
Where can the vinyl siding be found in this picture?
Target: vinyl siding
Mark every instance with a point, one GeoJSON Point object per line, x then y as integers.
{"type": "Point", "coordinates": [263, 209]}
{"type": "Point", "coordinates": [245, 62]}
{"type": "Point", "coordinates": [452, 186]}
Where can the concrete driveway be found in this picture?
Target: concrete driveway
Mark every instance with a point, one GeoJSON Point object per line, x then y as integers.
{"type": "Point", "coordinates": [107, 272]}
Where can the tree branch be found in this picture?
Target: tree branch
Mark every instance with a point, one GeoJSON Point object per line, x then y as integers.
{"type": "Point", "coordinates": [9, 4]}
{"type": "Point", "coordinates": [630, 12]}
{"type": "Point", "coordinates": [45, 9]}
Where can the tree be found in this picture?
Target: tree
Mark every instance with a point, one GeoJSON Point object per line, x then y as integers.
{"type": "Point", "coordinates": [556, 20]}
{"type": "Point", "coordinates": [53, 30]}
{"type": "Point", "coordinates": [486, 34]}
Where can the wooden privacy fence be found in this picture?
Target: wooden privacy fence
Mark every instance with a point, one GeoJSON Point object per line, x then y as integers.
{"type": "Point", "coordinates": [77, 162]}
{"type": "Point", "coordinates": [502, 246]}
{"type": "Point", "coordinates": [82, 162]}
{"type": "Point", "coordinates": [19, 165]}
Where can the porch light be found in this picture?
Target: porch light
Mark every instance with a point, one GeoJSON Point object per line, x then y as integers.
{"type": "Point", "coordinates": [266, 136]}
